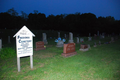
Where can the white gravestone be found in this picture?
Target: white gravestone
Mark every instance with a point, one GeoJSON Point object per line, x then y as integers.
{"type": "Point", "coordinates": [0, 43]}
{"type": "Point", "coordinates": [8, 39]}
{"type": "Point", "coordinates": [58, 34]}
{"type": "Point", "coordinates": [89, 34]}
{"type": "Point", "coordinates": [71, 37]}
{"type": "Point", "coordinates": [99, 42]}
{"type": "Point", "coordinates": [78, 40]}
{"type": "Point", "coordinates": [97, 33]}
{"type": "Point", "coordinates": [112, 39]}
{"type": "Point", "coordinates": [24, 45]}
{"type": "Point", "coordinates": [95, 45]}
{"type": "Point", "coordinates": [103, 36]}
{"type": "Point", "coordinates": [65, 36]}
{"type": "Point", "coordinates": [100, 36]}
{"type": "Point", "coordinates": [89, 38]}
{"type": "Point", "coordinates": [60, 43]}
{"type": "Point", "coordinates": [45, 38]}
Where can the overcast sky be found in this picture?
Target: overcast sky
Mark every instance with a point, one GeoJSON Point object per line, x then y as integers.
{"type": "Point", "coordinates": [56, 7]}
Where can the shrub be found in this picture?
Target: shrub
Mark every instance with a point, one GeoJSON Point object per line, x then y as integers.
{"type": "Point", "coordinates": [7, 52]}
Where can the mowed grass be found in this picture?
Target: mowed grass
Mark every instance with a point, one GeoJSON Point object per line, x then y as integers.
{"type": "Point", "coordinates": [99, 63]}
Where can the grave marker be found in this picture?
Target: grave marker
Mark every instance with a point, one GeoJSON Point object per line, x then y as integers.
{"type": "Point", "coordinates": [40, 45]}
{"type": "Point", "coordinates": [60, 43]}
{"type": "Point", "coordinates": [99, 42]}
{"type": "Point", "coordinates": [95, 36]}
{"type": "Point", "coordinates": [69, 50]}
{"type": "Point", "coordinates": [24, 45]}
{"type": "Point", "coordinates": [97, 33]}
{"type": "Point", "coordinates": [70, 38]}
{"type": "Point", "coordinates": [100, 36]}
{"type": "Point", "coordinates": [8, 39]}
{"type": "Point", "coordinates": [58, 34]}
{"type": "Point", "coordinates": [84, 47]}
{"type": "Point", "coordinates": [65, 36]}
{"type": "Point", "coordinates": [112, 39]}
{"type": "Point", "coordinates": [89, 34]}
{"type": "Point", "coordinates": [95, 45]}
{"type": "Point", "coordinates": [45, 38]}
{"type": "Point", "coordinates": [89, 38]}
{"type": "Point", "coordinates": [78, 40]}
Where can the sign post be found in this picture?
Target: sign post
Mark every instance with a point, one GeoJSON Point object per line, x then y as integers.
{"type": "Point", "coordinates": [24, 45]}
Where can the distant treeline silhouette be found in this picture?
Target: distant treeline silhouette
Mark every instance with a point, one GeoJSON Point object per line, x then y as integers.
{"type": "Point", "coordinates": [79, 23]}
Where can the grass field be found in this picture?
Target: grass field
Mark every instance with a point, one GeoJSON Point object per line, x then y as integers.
{"type": "Point", "coordinates": [99, 63]}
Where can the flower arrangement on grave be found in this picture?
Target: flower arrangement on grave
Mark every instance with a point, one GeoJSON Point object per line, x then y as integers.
{"type": "Point", "coordinates": [59, 39]}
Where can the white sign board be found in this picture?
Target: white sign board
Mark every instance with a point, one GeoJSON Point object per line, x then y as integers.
{"type": "Point", "coordinates": [24, 45]}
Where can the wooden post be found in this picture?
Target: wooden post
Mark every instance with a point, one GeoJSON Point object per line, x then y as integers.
{"type": "Point", "coordinates": [18, 63]}
{"type": "Point", "coordinates": [31, 61]}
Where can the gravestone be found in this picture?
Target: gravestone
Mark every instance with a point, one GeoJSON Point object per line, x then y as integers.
{"type": "Point", "coordinates": [88, 46]}
{"type": "Point", "coordinates": [40, 45]}
{"type": "Point", "coordinates": [24, 45]}
{"type": "Point", "coordinates": [95, 36]}
{"type": "Point", "coordinates": [69, 50]}
{"type": "Point", "coordinates": [101, 36]}
{"type": "Point", "coordinates": [81, 40]}
{"type": "Point", "coordinates": [99, 42]}
{"type": "Point", "coordinates": [78, 40]}
{"type": "Point", "coordinates": [65, 36]}
{"type": "Point", "coordinates": [60, 43]}
{"type": "Point", "coordinates": [8, 39]}
{"type": "Point", "coordinates": [89, 34]}
{"type": "Point", "coordinates": [45, 38]}
{"type": "Point", "coordinates": [112, 39]}
{"type": "Point", "coordinates": [70, 38]}
{"type": "Point", "coordinates": [58, 34]}
{"type": "Point", "coordinates": [95, 45]}
{"type": "Point", "coordinates": [89, 38]}
{"type": "Point", "coordinates": [0, 43]}
{"type": "Point", "coordinates": [84, 47]}
{"type": "Point", "coordinates": [97, 33]}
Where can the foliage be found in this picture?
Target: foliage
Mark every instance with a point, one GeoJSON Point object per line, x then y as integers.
{"type": "Point", "coordinates": [7, 52]}
{"type": "Point", "coordinates": [80, 23]}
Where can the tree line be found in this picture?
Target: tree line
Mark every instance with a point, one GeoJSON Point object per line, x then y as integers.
{"type": "Point", "coordinates": [80, 23]}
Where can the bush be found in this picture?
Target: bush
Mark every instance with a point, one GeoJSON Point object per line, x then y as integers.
{"type": "Point", "coordinates": [7, 52]}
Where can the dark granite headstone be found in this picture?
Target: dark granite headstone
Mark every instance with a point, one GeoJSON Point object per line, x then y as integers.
{"type": "Point", "coordinates": [40, 45]}
{"type": "Point", "coordinates": [69, 50]}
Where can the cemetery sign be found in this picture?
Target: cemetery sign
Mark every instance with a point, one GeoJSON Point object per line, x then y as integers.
{"type": "Point", "coordinates": [24, 44]}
